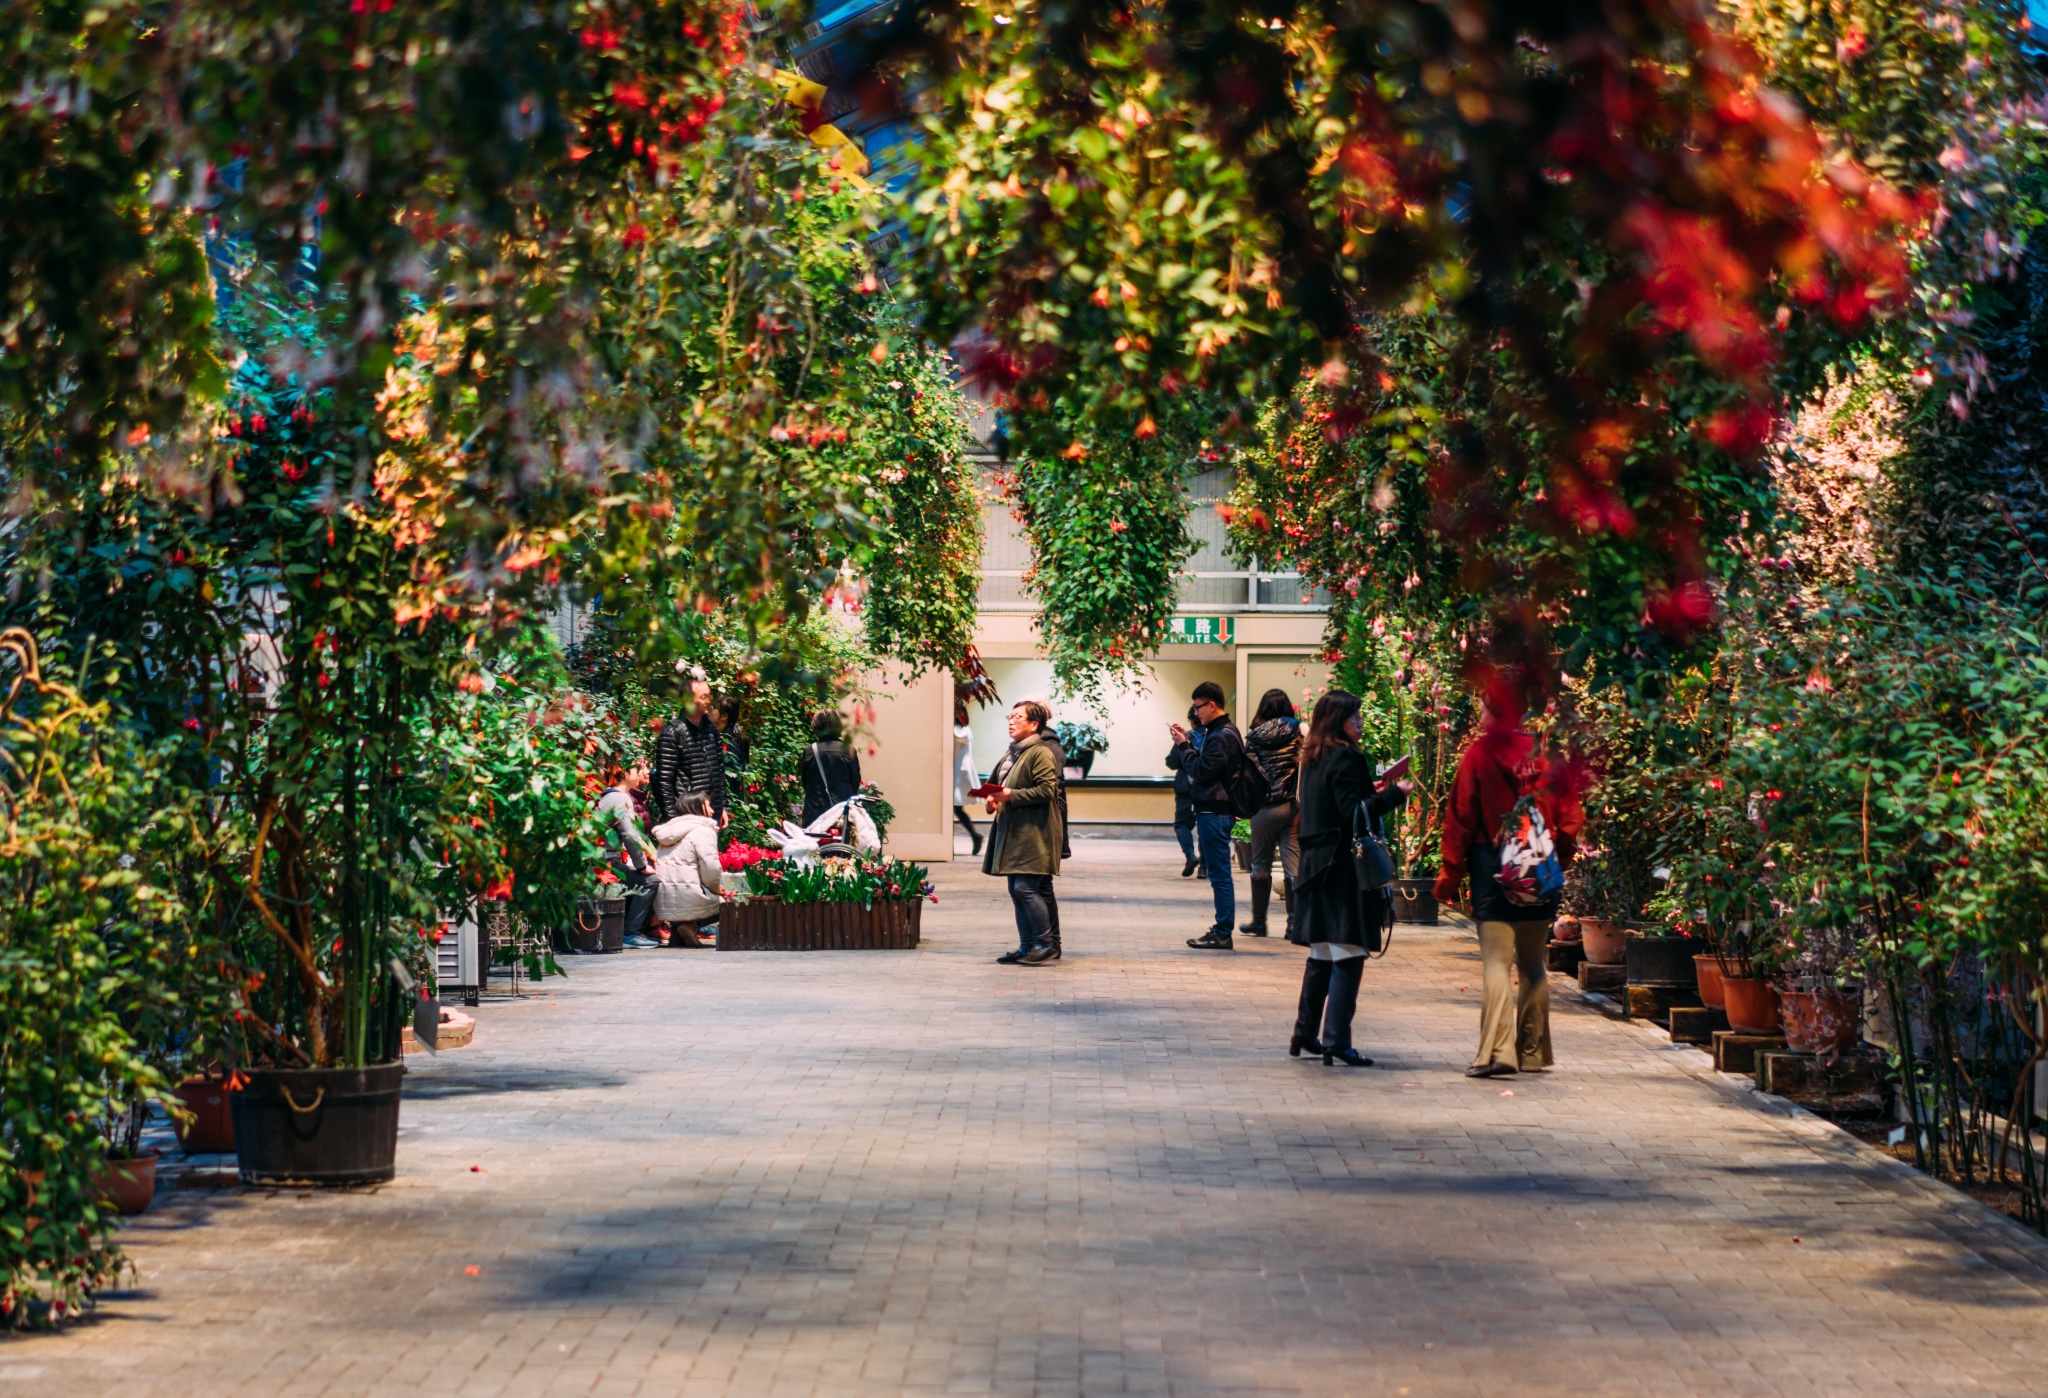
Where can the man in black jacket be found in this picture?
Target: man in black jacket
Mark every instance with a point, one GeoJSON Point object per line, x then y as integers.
{"type": "Point", "coordinates": [1210, 754]}
{"type": "Point", "coordinates": [688, 755]}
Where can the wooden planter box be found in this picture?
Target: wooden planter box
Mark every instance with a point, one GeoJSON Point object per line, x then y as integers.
{"type": "Point", "coordinates": [766, 924]}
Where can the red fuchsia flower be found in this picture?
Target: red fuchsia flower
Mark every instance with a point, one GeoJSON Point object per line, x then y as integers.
{"type": "Point", "coordinates": [1774, 795]}
{"type": "Point", "coordinates": [499, 891]}
{"type": "Point", "coordinates": [1715, 784]}
{"type": "Point", "coordinates": [1851, 45]}
{"type": "Point", "coordinates": [606, 876]}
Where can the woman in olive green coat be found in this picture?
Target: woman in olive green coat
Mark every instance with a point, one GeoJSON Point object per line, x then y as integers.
{"type": "Point", "coordinates": [1030, 830]}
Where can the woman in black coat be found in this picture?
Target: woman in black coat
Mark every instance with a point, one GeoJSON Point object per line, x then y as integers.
{"type": "Point", "coordinates": [1336, 920]}
{"type": "Point", "coordinates": [830, 770]}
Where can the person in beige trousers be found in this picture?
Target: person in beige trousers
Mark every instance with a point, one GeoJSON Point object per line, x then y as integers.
{"type": "Point", "coordinates": [1495, 772]}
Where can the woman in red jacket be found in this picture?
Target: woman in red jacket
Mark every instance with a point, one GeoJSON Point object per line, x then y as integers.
{"type": "Point", "coordinates": [1500, 767]}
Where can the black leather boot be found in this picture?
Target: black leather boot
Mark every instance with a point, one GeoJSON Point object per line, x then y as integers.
{"type": "Point", "coordinates": [1262, 898]}
{"type": "Point", "coordinates": [1287, 894]}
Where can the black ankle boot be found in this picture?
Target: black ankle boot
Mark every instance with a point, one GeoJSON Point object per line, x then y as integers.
{"type": "Point", "coordinates": [1262, 898]}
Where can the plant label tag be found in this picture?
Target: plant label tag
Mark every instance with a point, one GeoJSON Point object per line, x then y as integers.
{"type": "Point", "coordinates": [1898, 1136]}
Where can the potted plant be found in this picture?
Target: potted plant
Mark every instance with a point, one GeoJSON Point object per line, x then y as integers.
{"type": "Point", "coordinates": [127, 1178]}
{"type": "Point", "coordinates": [1601, 896]}
{"type": "Point", "coordinates": [600, 925]}
{"type": "Point", "coordinates": [1080, 742]}
{"type": "Point", "coordinates": [1819, 1014]}
{"type": "Point", "coordinates": [360, 831]}
{"type": "Point", "coordinates": [1666, 951]}
{"type": "Point", "coordinates": [205, 1121]}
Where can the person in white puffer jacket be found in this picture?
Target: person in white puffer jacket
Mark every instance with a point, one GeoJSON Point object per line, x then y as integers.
{"type": "Point", "coordinates": [686, 870]}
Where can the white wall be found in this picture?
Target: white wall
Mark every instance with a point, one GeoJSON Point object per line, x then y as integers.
{"type": "Point", "coordinates": [1137, 720]}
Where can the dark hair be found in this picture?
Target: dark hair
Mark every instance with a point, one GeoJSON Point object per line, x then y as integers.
{"type": "Point", "coordinates": [1326, 725]}
{"type": "Point", "coordinates": [825, 726]}
{"type": "Point", "coordinates": [1275, 704]}
{"type": "Point", "coordinates": [960, 711]}
{"type": "Point", "coordinates": [1038, 713]}
{"type": "Point", "coordinates": [693, 803]}
{"type": "Point", "coordinates": [728, 706]}
{"type": "Point", "coordinates": [1210, 690]}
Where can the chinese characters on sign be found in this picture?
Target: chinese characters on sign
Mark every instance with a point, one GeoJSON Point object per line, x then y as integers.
{"type": "Point", "coordinates": [1200, 630]}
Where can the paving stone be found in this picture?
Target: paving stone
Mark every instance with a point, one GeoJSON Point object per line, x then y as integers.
{"type": "Point", "coordinates": [834, 1173]}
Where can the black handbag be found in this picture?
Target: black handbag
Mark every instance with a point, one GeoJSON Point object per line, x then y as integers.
{"type": "Point", "coordinates": [1372, 864]}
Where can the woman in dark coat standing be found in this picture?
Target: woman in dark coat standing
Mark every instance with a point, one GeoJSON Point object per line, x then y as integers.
{"type": "Point", "coordinates": [830, 770]}
{"type": "Point", "coordinates": [1336, 920]}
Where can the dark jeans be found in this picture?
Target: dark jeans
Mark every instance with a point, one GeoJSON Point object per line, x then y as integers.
{"type": "Point", "coordinates": [1212, 836]}
{"type": "Point", "coordinates": [1032, 895]}
{"type": "Point", "coordinates": [1184, 825]}
{"type": "Point", "coordinates": [1329, 998]}
{"type": "Point", "coordinates": [639, 900]}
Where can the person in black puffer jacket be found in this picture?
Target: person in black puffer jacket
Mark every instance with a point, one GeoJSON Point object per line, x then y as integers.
{"type": "Point", "coordinates": [1274, 746]}
{"type": "Point", "coordinates": [688, 755]}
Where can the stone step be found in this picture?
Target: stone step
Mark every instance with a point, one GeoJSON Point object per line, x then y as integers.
{"type": "Point", "coordinates": [1656, 1002]}
{"type": "Point", "coordinates": [1735, 1052]}
{"type": "Point", "coordinates": [1849, 1086]}
{"type": "Point", "coordinates": [1695, 1024]}
{"type": "Point", "coordinates": [1602, 978]}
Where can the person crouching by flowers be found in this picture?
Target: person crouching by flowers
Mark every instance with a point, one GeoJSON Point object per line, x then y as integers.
{"type": "Point", "coordinates": [687, 870]}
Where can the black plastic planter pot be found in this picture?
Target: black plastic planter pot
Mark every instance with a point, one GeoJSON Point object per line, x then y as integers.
{"type": "Point", "coordinates": [1664, 960]}
{"type": "Point", "coordinates": [1415, 901]}
{"type": "Point", "coordinates": [600, 926]}
{"type": "Point", "coordinates": [318, 1126]}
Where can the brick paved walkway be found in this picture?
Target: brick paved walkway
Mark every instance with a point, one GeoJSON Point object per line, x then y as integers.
{"type": "Point", "coordinates": [882, 1173]}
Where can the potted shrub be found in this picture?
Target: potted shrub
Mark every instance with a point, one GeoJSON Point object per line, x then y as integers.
{"type": "Point", "coordinates": [1666, 952]}
{"type": "Point", "coordinates": [127, 1178]}
{"type": "Point", "coordinates": [1080, 742]}
{"type": "Point", "coordinates": [600, 925]}
{"type": "Point", "coordinates": [361, 827]}
{"type": "Point", "coordinates": [1601, 898]}
{"type": "Point", "coordinates": [1819, 1014]}
{"type": "Point", "coordinates": [1744, 952]}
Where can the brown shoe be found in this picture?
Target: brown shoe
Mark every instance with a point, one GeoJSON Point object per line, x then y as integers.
{"type": "Point", "coordinates": [684, 934]}
{"type": "Point", "coordinates": [1491, 1070]}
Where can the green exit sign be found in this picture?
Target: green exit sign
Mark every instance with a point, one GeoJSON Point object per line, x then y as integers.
{"type": "Point", "coordinates": [1199, 630]}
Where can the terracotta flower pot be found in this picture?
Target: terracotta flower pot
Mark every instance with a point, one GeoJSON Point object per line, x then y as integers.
{"type": "Point", "coordinates": [212, 1128]}
{"type": "Point", "coordinates": [1606, 942]}
{"type": "Point", "coordinates": [1708, 971]}
{"type": "Point", "coordinates": [1751, 1003]}
{"type": "Point", "coordinates": [129, 1185]}
{"type": "Point", "coordinates": [1824, 1021]}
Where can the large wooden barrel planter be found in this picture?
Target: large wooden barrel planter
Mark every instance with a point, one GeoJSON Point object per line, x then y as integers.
{"type": "Point", "coordinates": [767, 924]}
